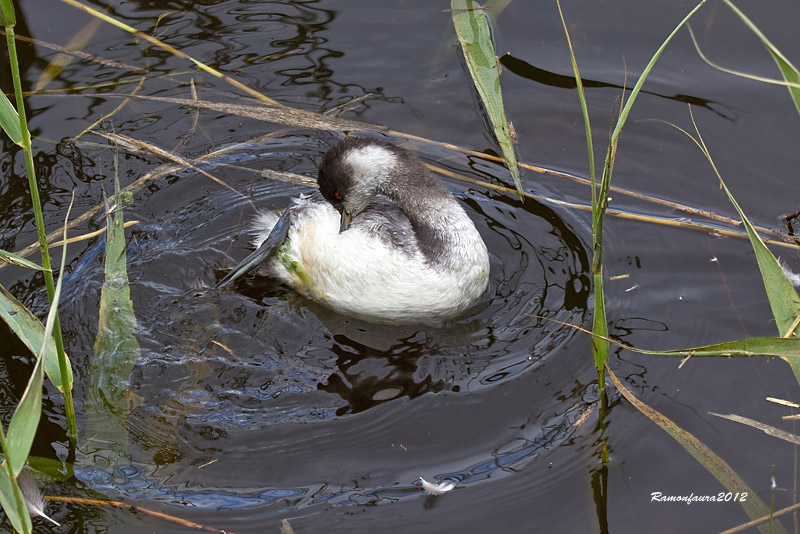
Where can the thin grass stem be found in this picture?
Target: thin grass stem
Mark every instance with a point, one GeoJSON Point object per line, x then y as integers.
{"type": "Point", "coordinates": [72, 429]}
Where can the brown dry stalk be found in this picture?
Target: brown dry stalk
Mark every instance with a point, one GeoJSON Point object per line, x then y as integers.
{"type": "Point", "coordinates": [133, 508]}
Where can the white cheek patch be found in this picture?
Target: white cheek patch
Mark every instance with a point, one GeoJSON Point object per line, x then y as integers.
{"type": "Point", "coordinates": [371, 162]}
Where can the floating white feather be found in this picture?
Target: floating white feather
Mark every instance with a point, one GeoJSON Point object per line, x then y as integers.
{"type": "Point", "coordinates": [794, 278]}
{"type": "Point", "coordinates": [437, 489]}
{"type": "Point", "coordinates": [33, 497]}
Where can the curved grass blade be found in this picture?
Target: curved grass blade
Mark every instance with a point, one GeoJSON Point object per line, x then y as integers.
{"type": "Point", "coordinates": [25, 420]}
{"type": "Point", "coordinates": [472, 28]}
{"type": "Point", "coordinates": [623, 116]}
{"type": "Point", "coordinates": [783, 298]}
{"type": "Point", "coordinates": [31, 332]}
{"type": "Point", "coordinates": [786, 81]}
{"type": "Point", "coordinates": [765, 428]}
{"type": "Point", "coordinates": [719, 468]}
{"type": "Point", "coordinates": [9, 120]}
{"type": "Point", "coordinates": [22, 428]}
{"type": "Point", "coordinates": [789, 71]}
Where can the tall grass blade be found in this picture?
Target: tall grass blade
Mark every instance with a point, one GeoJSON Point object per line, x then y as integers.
{"type": "Point", "coordinates": [30, 331]}
{"type": "Point", "coordinates": [9, 120]}
{"type": "Point", "coordinates": [472, 28]}
{"type": "Point", "coordinates": [640, 82]}
{"type": "Point", "coordinates": [789, 71]}
{"type": "Point", "coordinates": [30, 168]}
{"type": "Point", "coordinates": [582, 98]}
{"type": "Point", "coordinates": [600, 351]}
{"type": "Point", "coordinates": [719, 468]}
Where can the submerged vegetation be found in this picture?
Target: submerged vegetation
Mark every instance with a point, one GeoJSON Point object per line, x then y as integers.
{"type": "Point", "coordinates": [116, 350]}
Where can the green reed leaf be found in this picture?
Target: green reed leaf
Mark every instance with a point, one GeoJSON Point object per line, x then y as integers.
{"type": "Point", "coordinates": [10, 257]}
{"type": "Point", "coordinates": [787, 349]}
{"type": "Point", "coordinates": [474, 34]}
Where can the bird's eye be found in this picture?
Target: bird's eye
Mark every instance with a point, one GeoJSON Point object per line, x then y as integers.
{"type": "Point", "coordinates": [337, 196]}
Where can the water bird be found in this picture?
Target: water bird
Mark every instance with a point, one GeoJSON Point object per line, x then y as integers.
{"type": "Point", "coordinates": [381, 239]}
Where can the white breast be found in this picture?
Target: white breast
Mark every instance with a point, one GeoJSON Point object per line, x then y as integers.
{"type": "Point", "coordinates": [360, 274]}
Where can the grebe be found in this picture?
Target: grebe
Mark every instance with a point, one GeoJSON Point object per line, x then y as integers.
{"type": "Point", "coordinates": [381, 240]}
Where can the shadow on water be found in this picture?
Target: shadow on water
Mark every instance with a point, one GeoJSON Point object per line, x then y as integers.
{"type": "Point", "coordinates": [523, 69]}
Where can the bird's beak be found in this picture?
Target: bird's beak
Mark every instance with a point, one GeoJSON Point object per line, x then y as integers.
{"type": "Point", "coordinates": [345, 223]}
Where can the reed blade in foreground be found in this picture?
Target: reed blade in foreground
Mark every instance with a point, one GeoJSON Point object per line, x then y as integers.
{"type": "Point", "coordinates": [472, 29]}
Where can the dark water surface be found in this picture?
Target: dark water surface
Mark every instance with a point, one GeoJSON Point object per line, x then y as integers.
{"type": "Point", "coordinates": [256, 405]}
